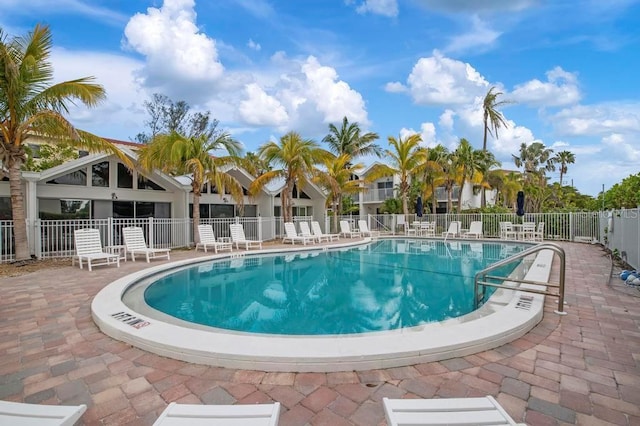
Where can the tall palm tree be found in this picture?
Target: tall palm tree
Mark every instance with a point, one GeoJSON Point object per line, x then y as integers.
{"type": "Point", "coordinates": [349, 140]}
{"type": "Point", "coordinates": [485, 163]}
{"type": "Point", "coordinates": [511, 184]}
{"type": "Point", "coordinates": [407, 159]}
{"type": "Point", "coordinates": [451, 176]}
{"type": "Point", "coordinates": [493, 121]}
{"type": "Point", "coordinates": [563, 158]}
{"type": "Point", "coordinates": [536, 160]}
{"type": "Point", "coordinates": [178, 154]}
{"type": "Point", "coordinates": [253, 164]}
{"type": "Point", "coordinates": [293, 159]}
{"type": "Point", "coordinates": [469, 162]}
{"type": "Point", "coordinates": [433, 175]}
{"type": "Point", "coordinates": [336, 181]}
{"type": "Point", "coordinates": [31, 106]}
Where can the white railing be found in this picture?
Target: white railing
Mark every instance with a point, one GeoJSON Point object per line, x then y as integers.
{"type": "Point", "coordinates": [54, 238]}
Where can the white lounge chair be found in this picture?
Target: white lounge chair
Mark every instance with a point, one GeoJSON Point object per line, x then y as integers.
{"type": "Point", "coordinates": [17, 413]}
{"type": "Point", "coordinates": [454, 229]}
{"type": "Point", "coordinates": [292, 236]}
{"type": "Point", "coordinates": [345, 230]}
{"type": "Point", "coordinates": [208, 240]}
{"type": "Point", "coordinates": [364, 230]}
{"type": "Point", "coordinates": [238, 237]}
{"type": "Point", "coordinates": [317, 231]}
{"type": "Point", "coordinates": [89, 248]}
{"type": "Point", "coordinates": [538, 234]}
{"type": "Point", "coordinates": [136, 245]}
{"type": "Point", "coordinates": [245, 415]}
{"type": "Point", "coordinates": [305, 231]}
{"type": "Point", "coordinates": [475, 230]}
{"type": "Point", "coordinates": [445, 411]}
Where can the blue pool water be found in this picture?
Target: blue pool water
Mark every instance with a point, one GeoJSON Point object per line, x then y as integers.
{"type": "Point", "coordinates": [385, 285]}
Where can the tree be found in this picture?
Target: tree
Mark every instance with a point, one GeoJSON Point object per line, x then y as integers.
{"type": "Point", "coordinates": [433, 174]}
{"type": "Point", "coordinates": [253, 164]}
{"type": "Point", "coordinates": [563, 158]}
{"type": "Point", "coordinates": [469, 162]}
{"type": "Point", "coordinates": [625, 194]}
{"type": "Point", "coordinates": [336, 181]}
{"type": "Point", "coordinates": [493, 121]}
{"type": "Point", "coordinates": [168, 116]}
{"type": "Point", "coordinates": [536, 160]}
{"type": "Point", "coordinates": [30, 106]}
{"type": "Point", "coordinates": [48, 156]}
{"type": "Point", "coordinates": [407, 159]}
{"type": "Point", "coordinates": [486, 161]}
{"type": "Point", "coordinates": [293, 159]}
{"type": "Point", "coordinates": [348, 140]}
{"type": "Point", "coordinates": [180, 154]}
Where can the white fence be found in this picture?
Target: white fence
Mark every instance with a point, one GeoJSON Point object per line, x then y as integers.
{"type": "Point", "coordinates": [620, 230]}
{"type": "Point", "coordinates": [54, 238]}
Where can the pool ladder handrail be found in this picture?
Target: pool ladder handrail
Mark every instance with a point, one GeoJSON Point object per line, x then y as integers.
{"type": "Point", "coordinates": [531, 250]}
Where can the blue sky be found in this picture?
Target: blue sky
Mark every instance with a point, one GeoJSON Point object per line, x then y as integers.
{"type": "Point", "coordinates": [570, 69]}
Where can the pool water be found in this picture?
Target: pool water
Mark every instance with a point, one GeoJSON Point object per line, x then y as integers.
{"type": "Point", "coordinates": [385, 285]}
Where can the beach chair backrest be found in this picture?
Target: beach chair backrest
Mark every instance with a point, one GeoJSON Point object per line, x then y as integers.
{"type": "Point", "coordinates": [475, 227]}
{"type": "Point", "coordinates": [317, 231]}
{"type": "Point", "coordinates": [362, 225]}
{"type": "Point", "coordinates": [344, 227]}
{"type": "Point", "coordinates": [290, 229]}
{"type": "Point", "coordinates": [304, 229]}
{"type": "Point", "coordinates": [237, 232]}
{"type": "Point", "coordinates": [206, 234]}
{"type": "Point", "coordinates": [87, 241]}
{"type": "Point", "coordinates": [134, 238]}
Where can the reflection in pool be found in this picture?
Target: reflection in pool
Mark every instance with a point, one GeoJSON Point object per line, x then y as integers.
{"type": "Point", "coordinates": [387, 284]}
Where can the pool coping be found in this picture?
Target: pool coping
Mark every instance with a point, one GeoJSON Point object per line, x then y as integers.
{"type": "Point", "coordinates": [507, 316]}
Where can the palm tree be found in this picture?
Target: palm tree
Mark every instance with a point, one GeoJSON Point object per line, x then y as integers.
{"type": "Point", "coordinates": [485, 162]}
{"type": "Point", "coordinates": [407, 159]}
{"type": "Point", "coordinates": [253, 164]}
{"type": "Point", "coordinates": [469, 161]}
{"type": "Point", "coordinates": [336, 181]}
{"type": "Point", "coordinates": [30, 106]}
{"type": "Point", "coordinates": [293, 159]}
{"type": "Point", "coordinates": [433, 175]}
{"type": "Point", "coordinates": [179, 154]}
{"type": "Point", "coordinates": [563, 158]}
{"type": "Point", "coordinates": [493, 121]}
{"type": "Point", "coordinates": [348, 140]}
{"type": "Point", "coordinates": [536, 160]}
{"type": "Point", "coordinates": [511, 184]}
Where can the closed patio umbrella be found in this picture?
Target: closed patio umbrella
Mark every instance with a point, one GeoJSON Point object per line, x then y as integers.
{"type": "Point", "coordinates": [520, 203]}
{"type": "Point", "coordinates": [419, 206]}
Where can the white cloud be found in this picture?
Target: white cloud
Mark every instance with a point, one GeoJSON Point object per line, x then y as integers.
{"type": "Point", "coordinates": [253, 45]}
{"type": "Point", "coordinates": [561, 88]}
{"type": "Point", "coordinates": [379, 7]}
{"type": "Point", "coordinates": [395, 87]}
{"type": "Point", "coordinates": [622, 148]}
{"type": "Point", "coordinates": [78, 7]}
{"type": "Point", "coordinates": [260, 109]}
{"type": "Point", "coordinates": [438, 80]}
{"type": "Point", "coordinates": [474, 6]}
{"type": "Point", "coordinates": [180, 60]}
{"type": "Point", "coordinates": [446, 119]}
{"type": "Point", "coordinates": [598, 119]}
{"type": "Point", "coordinates": [480, 36]}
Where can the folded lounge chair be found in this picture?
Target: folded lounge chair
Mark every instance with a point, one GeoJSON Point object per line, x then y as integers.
{"type": "Point", "coordinates": [364, 230]}
{"type": "Point", "coordinates": [17, 413]}
{"type": "Point", "coordinates": [345, 230]}
{"type": "Point", "coordinates": [245, 415]}
{"type": "Point", "coordinates": [305, 231]}
{"type": "Point", "coordinates": [136, 245]}
{"type": "Point", "coordinates": [317, 231]}
{"type": "Point", "coordinates": [238, 237]}
{"type": "Point", "coordinates": [89, 249]}
{"type": "Point", "coordinates": [475, 230]}
{"type": "Point", "coordinates": [454, 229]}
{"type": "Point", "coordinates": [208, 240]}
{"type": "Point", "coordinates": [446, 411]}
{"type": "Point", "coordinates": [292, 236]}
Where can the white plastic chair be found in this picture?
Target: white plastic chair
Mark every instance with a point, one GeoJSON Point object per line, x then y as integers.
{"type": "Point", "coordinates": [89, 248]}
{"type": "Point", "coordinates": [507, 232]}
{"type": "Point", "coordinates": [135, 244]}
{"type": "Point", "coordinates": [345, 229]}
{"type": "Point", "coordinates": [292, 236]}
{"type": "Point", "coordinates": [238, 237]}
{"type": "Point", "coordinates": [17, 413]}
{"type": "Point", "coordinates": [528, 231]}
{"type": "Point", "coordinates": [538, 235]}
{"type": "Point", "coordinates": [475, 230]}
{"type": "Point", "coordinates": [454, 229]}
{"type": "Point", "coordinates": [245, 415]}
{"type": "Point", "coordinates": [317, 231]}
{"type": "Point", "coordinates": [364, 229]}
{"type": "Point", "coordinates": [445, 411]}
{"type": "Point", "coordinates": [305, 231]}
{"type": "Point", "coordinates": [208, 239]}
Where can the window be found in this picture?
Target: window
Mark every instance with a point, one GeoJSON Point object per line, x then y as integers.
{"type": "Point", "coordinates": [100, 174]}
{"type": "Point", "coordinates": [5, 208]}
{"type": "Point", "coordinates": [140, 209]}
{"type": "Point", "coordinates": [53, 209]}
{"type": "Point", "coordinates": [145, 183]}
{"type": "Point", "coordinates": [222, 210]}
{"type": "Point", "coordinates": [125, 178]}
{"type": "Point", "coordinates": [79, 177]}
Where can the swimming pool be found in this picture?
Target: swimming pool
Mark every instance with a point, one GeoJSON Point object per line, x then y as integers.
{"type": "Point", "coordinates": [506, 316]}
{"type": "Point", "coordinates": [385, 285]}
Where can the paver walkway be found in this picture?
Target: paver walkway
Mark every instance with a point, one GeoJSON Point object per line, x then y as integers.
{"type": "Point", "coordinates": [583, 368]}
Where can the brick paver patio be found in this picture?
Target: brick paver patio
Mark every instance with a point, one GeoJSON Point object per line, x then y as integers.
{"type": "Point", "coordinates": [583, 368]}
